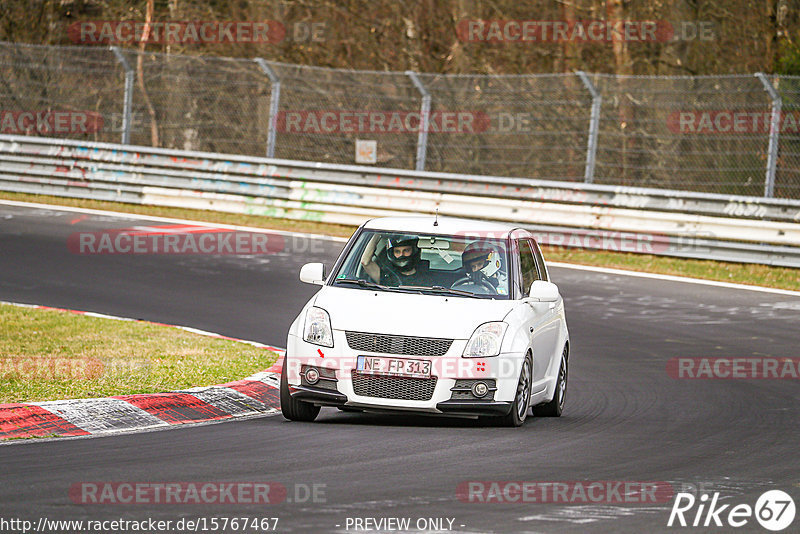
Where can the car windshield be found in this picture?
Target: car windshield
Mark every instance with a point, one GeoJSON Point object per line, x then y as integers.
{"type": "Point", "coordinates": [467, 265]}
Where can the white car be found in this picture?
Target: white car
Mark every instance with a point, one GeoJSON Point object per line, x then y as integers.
{"type": "Point", "coordinates": [430, 315]}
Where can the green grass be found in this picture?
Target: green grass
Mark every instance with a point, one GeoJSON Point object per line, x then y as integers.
{"type": "Point", "coordinates": [742, 273]}
{"type": "Point", "coordinates": [49, 355]}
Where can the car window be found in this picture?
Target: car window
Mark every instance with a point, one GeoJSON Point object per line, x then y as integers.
{"type": "Point", "coordinates": [528, 267]}
{"type": "Point", "coordinates": [474, 266]}
{"type": "Point", "coordinates": [537, 254]}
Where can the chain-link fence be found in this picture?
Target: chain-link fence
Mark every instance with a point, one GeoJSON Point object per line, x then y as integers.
{"type": "Point", "coordinates": [719, 134]}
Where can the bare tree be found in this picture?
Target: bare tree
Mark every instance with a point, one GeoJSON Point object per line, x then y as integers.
{"type": "Point", "coordinates": [140, 72]}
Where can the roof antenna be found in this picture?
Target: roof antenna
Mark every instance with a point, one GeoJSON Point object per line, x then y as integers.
{"type": "Point", "coordinates": [436, 220]}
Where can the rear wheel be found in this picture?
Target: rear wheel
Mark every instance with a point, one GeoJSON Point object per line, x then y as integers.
{"type": "Point", "coordinates": [293, 409]}
{"type": "Point", "coordinates": [522, 399]}
{"type": "Point", "coordinates": [555, 407]}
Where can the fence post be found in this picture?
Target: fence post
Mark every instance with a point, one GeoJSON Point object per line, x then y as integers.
{"type": "Point", "coordinates": [594, 126]}
{"type": "Point", "coordinates": [422, 139]}
{"type": "Point", "coordinates": [127, 99]}
{"type": "Point", "coordinates": [774, 133]}
{"type": "Point", "coordinates": [274, 101]}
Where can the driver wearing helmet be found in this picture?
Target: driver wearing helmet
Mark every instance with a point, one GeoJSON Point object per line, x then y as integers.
{"type": "Point", "coordinates": [480, 262]}
{"type": "Point", "coordinates": [397, 264]}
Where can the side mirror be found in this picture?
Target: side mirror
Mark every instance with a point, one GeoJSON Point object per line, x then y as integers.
{"type": "Point", "coordinates": [542, 291]}
{"type": "Point", "coordinates": [313, 273]}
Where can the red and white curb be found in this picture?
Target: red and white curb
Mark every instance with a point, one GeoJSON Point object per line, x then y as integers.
{"type": "Point", "coordinates": [255, 395]}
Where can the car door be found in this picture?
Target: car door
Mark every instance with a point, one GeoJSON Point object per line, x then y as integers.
{"type": "Point", "coordinates": [541, 319]}
{"type": "Point", "coordinates": [555, 319]}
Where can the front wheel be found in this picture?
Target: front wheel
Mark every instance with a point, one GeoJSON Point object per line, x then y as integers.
{"type": "Point", "coordinates": [522, 400]}
{"type": "Point", "coordinates": [293, 409]}
{"type": "Point", "coordinates": [555, 407]}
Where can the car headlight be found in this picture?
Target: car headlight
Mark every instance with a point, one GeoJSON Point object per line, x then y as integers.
{"type": "Point", "coordinates": [486, 340]}
{"type": "Point", "coordinates": [318, 327]}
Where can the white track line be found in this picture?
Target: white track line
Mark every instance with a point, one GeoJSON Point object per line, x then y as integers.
{"type": "Point", "coordinates": [671, 278]}
{"type": "Point", "coordinates": [605, 270]}
{"type": "Point", "coordinates": [156, 218]}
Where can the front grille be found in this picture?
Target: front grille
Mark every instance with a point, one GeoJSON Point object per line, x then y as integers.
{"type": "Point", "coordinates": [467, 384]}
{"type": "Point", "coordinates": [388, 344]}
{"type": "Point", "coordinates": [393, 387]}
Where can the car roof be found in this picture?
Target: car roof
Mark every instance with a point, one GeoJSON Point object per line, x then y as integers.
{"type": "Point", "coordinates": [446, 226]}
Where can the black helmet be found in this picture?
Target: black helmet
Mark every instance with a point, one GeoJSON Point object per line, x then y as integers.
{"type": "Point", "coordinates": [404, 263]}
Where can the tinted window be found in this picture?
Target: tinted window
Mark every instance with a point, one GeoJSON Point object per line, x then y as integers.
{"type": "Point", "coordinates": [527, 266]}
{"type": "Point", "coordinates": [473, 265]}
{"type": "Point", "coordinates": [537, 253]}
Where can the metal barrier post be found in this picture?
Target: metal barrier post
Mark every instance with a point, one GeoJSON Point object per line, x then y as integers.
{"type": "Point", "coordinates": [594, 126]}
{"type": "Point", "coordinates": [422, 139]}
{"type": "Point", "coordinates": [274, 101]}
{"type": "Point", "coordinates": [127, 99]}
{"type": "Point", "coordinates": [774, 132]}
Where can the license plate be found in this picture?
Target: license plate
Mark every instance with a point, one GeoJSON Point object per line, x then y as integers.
{"type": "Point", "coordinates": [375, 365]}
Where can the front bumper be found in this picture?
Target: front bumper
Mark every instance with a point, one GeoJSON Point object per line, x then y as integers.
{"type": "Point", "coordinates": [458, 407]}
{"type": "Point", "coordinates": [321, 397]}
{"type": "Point", "coordinates": [443, 400]}
{"type": "Point", "coordinates": [318, 396]}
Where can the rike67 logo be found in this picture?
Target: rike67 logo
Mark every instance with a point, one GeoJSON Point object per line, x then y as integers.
{"type": "Point", "coordinates": [774, 510]}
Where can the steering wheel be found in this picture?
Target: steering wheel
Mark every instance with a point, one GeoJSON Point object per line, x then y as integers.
{"type": "Point", "coordinates": [394, 274]}
{"type": "Point", "coordinates": [481, 282]}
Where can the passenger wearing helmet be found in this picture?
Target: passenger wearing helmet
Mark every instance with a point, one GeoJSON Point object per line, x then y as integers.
{"type": "Point", "coordinates": [397, 264]}
{"type": "Point", "coordinates": [480, 262]}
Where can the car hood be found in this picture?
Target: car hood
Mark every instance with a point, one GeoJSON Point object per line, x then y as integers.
{"type": "Point", "coordinates": [408, 314]}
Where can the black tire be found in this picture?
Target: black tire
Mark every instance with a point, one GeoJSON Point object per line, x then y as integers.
{"type": "Point", "coordinates": [522, 399]}
{"type": "Point", "coordinates": [555, 407]}
{"type": "Point", "coordinates": [293, 409]}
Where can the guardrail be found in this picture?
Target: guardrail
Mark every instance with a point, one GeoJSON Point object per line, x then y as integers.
{"type": "Point", "coordinates": [675, 223]}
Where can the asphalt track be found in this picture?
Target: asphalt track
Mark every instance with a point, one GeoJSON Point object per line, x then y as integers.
{"type": "Point", "coordinates": [625, 418]}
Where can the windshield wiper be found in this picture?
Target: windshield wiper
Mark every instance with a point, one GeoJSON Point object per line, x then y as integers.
{"type": "Point", "coordinates": [441, 289]}
{"type": "Point", "coordinates": [362, 283]}
{"type": "Point", "coordinates": [437, 289]}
